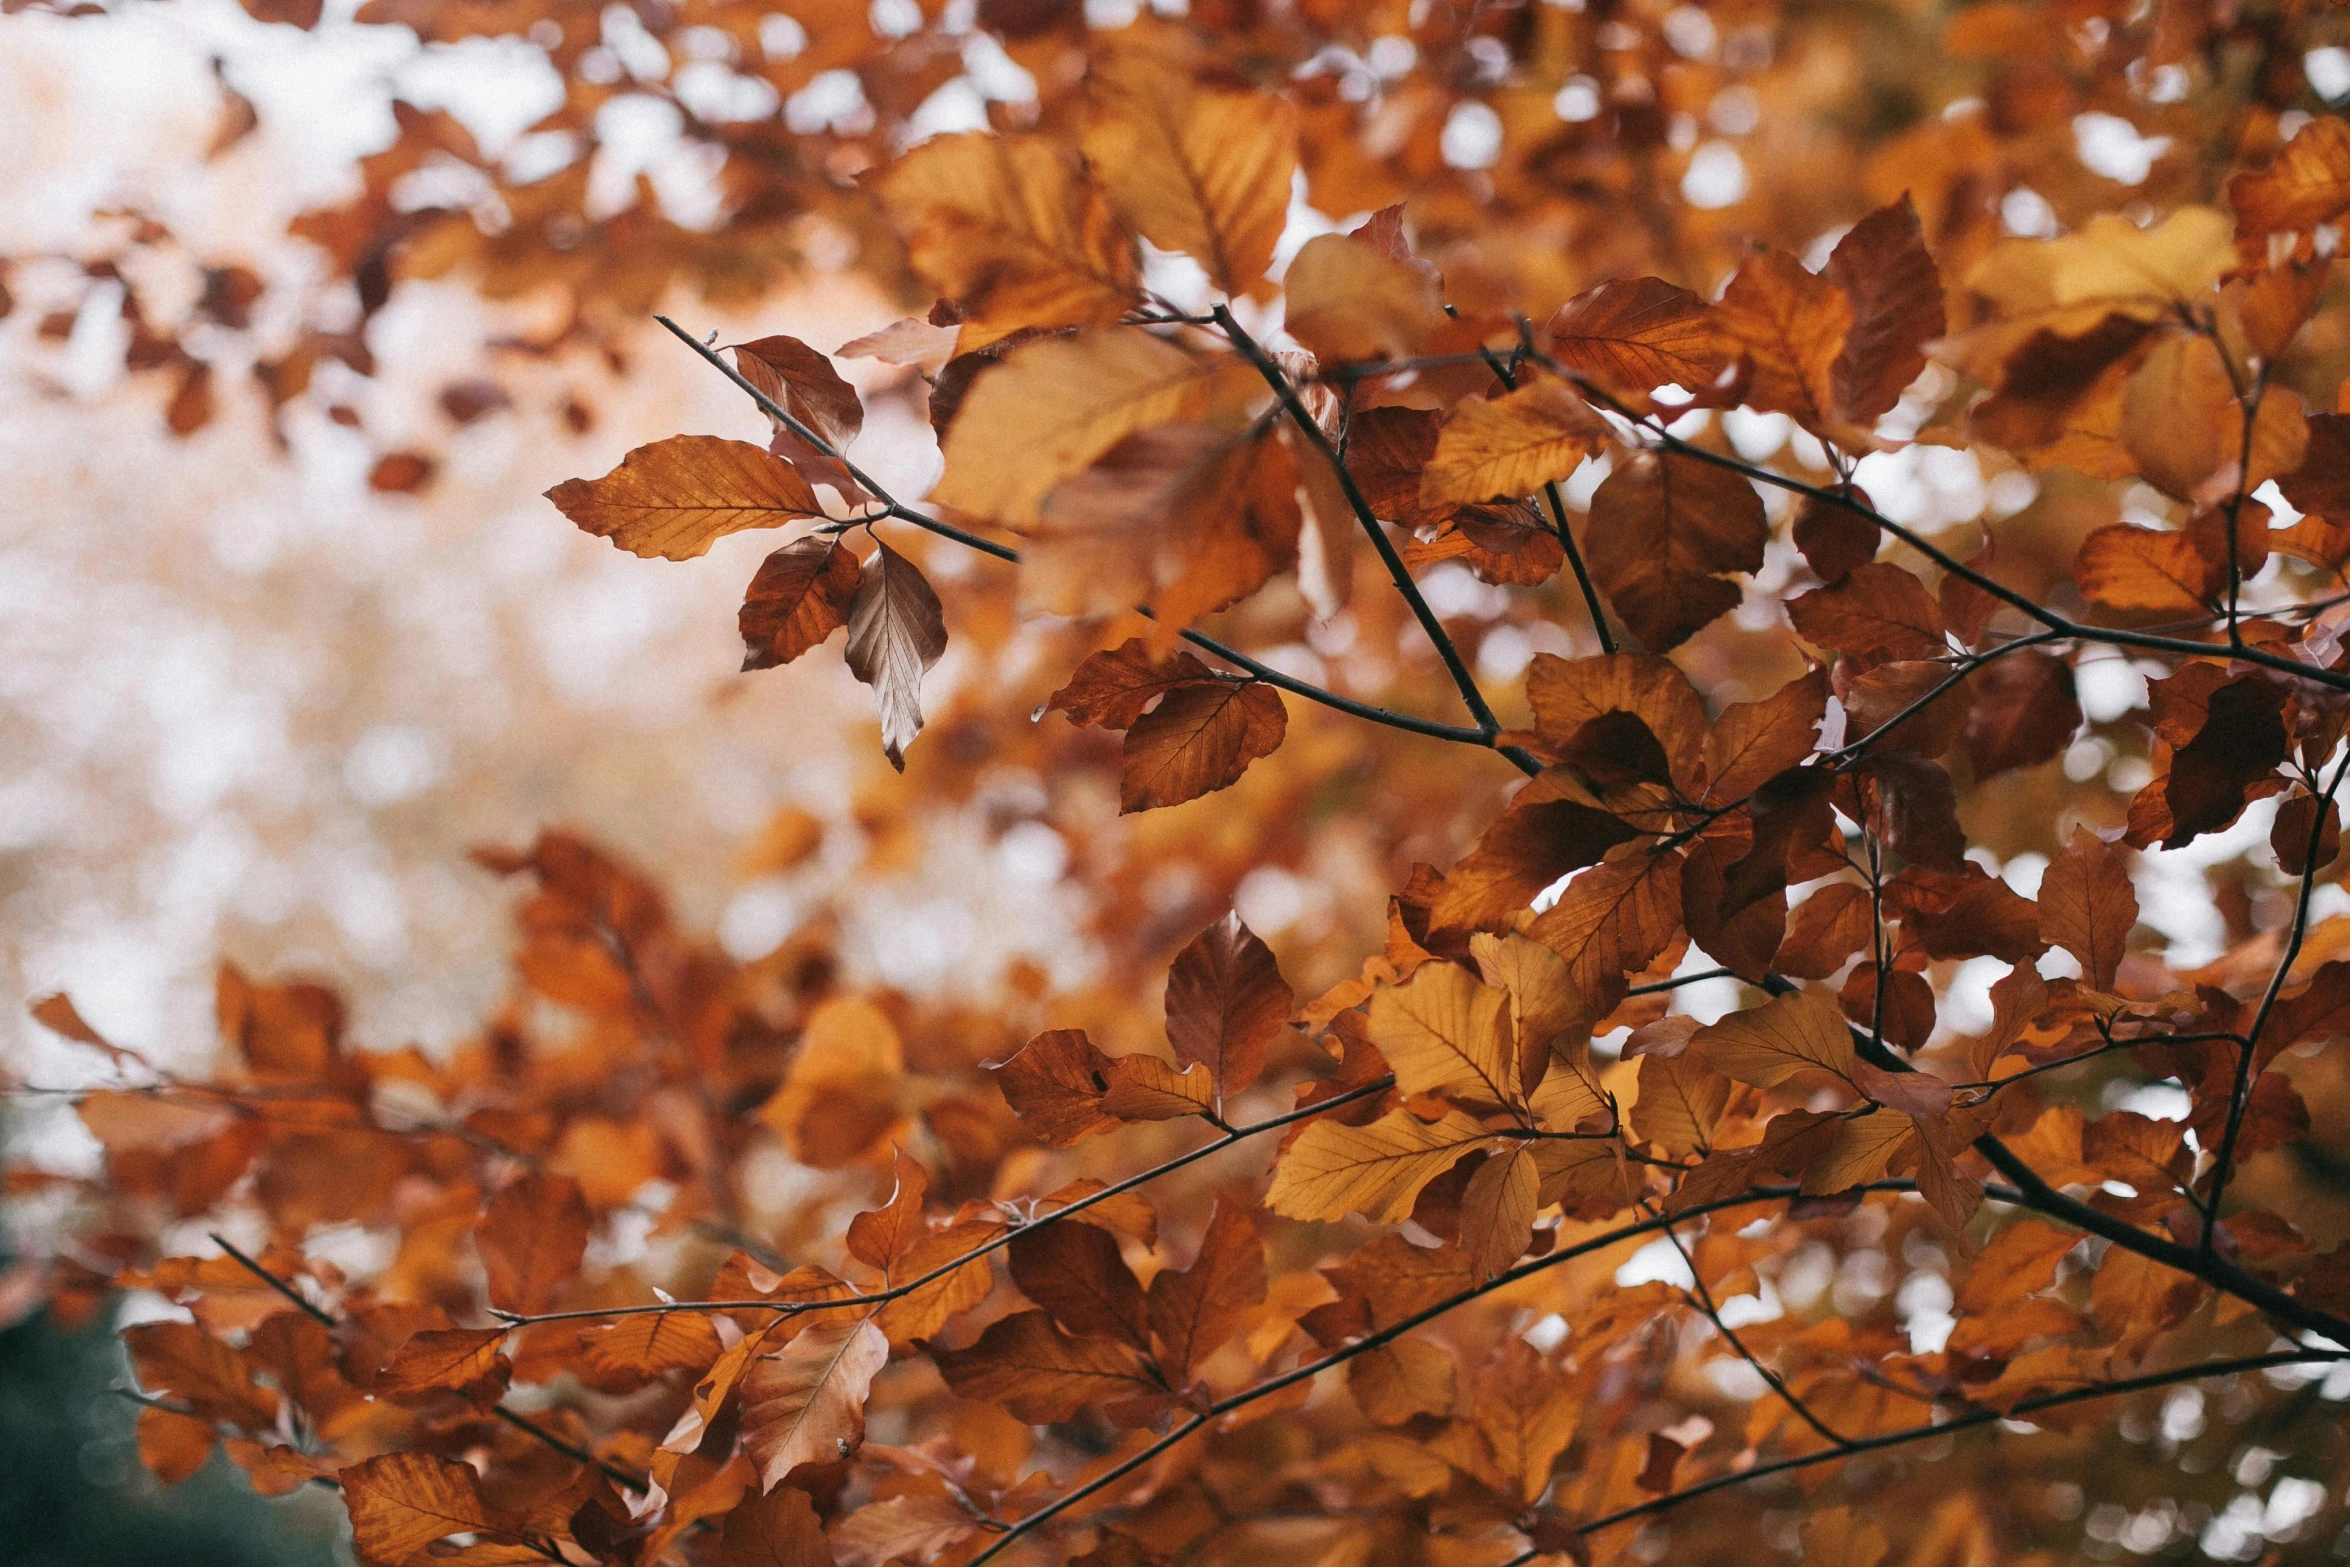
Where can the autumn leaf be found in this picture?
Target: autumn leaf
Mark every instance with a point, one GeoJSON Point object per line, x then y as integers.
{"type": "Point", "coordinates": [1664, 530]}
{"type": "Point", "coordinates": [806, 386]}
{"type": "Point", "coordinates": [1194, 1310]}
{"type": "Point", "coordinates": [1010, 229]}
{"type": "Point", "coordinates": [531, 1237]}
{"type": "Point", "coordinates": [1884, 269]}
{"type": "Point", "coordinates": [776, 1529]}
{"type": "Point", "coordinates": [1376, 1170]}
{"type": "Point", "coordinates": [1513, 444]}
{"type": "Point", "coordinates": [2088, 907]}
{"type": "Point", "coordinates": [1055, 1084]}
{"type": "Point", "coordinates": [464, 1361]}
{"type": "Point", "coordinates": [802, 595]}
{"type": "Point", "coordinates": [1194, 169]}
{"type": "Point", "coordinates": [1075, 1272]}
{"type": "Point", "coordinates": [1115, 687]}
{"type": "Point", "coordinates": [1637, 334]}
{"type": "Point", "coordinates": [2308, 184]}
{"type": "Point", "coordinates": [1199, 739]}
{"type": "Point", "coordinates": [1348, 302]}
{"type": "Point", "coordinates": [1878, 610]}
{"type": "Point", "coordinates": [1449, 1033]}
{"type": "Point", "coordinates": [896, 632]}
{"type": "Point", "coordinates": [402, 1502]}
{"type": "Point", "coordinates": [1226, 1001]}
{"type": "Point", "coordinates": [1041, 1374]}
{"type": "Point", "coordinates": [1053, 408]}
{"type": "Point", "coordinates": [1791, 325]}
{"type": "Point", "coordinates": [805, 1404]}
{"type": "Point", "coordinates": [675, 498]}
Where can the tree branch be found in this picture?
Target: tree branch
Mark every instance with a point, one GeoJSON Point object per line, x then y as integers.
{"type": "Point", "coordinates": [1397, 572]}
{"type": "Point", "coordinates": [1383, 1336]}
{"type": "Point", "coordinates": [891, 506]}
{"type": "Point", "coordinates": [519, 1422]}
{"type": "Point", "coordinates": [1967, 1421]}
{"type": "Point", "coordinates": [881, 1297]}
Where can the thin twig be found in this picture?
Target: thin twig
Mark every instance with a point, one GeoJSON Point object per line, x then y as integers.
{"type": "Point", "coordinates": [522, 1423]}
{"type": "Point", "coordinates": [1386, 1335]}
{"type": "Point", "coordinates": [880, 1297]}
{"type": "Point", "coordinates": [892, 507]}
{"type": "Point", "coordinates": [1311, 429]}
{"type": "Point", "coordinates": [2240, 1090]}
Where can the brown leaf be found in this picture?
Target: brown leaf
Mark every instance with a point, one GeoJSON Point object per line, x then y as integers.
{"type": "Point", "coordinates": [1194, 1310]}
{"type": "Point", "coordinates": [1052, 408]}
{"type": "Point", "coordinates": [1113, 688]}
{"type": "Point", "coordinates": [1349, 303]}
{"type": "Point", "coordinates": [2308, 184]}
{"type": "Point", "coordinates": [1835, 538]}
{"type": "Point", "coordinates": [803, 382]}
{"type": "Point", "coordinates": [1195, 169]}
{"type": "Point", "coordinates": [2088, 907]}
{"type": "Point", "coordinates": [212, 1378]}
{"type": "Point", "coordinates": [1513, 444]}
{"type": "Point", "coordinates": [1788, 1035]}
{"type": "Point", "coordinates": [1634, 335]}
{"type": "Point", "coordinates": [880, 1238]}
{"type": "Point", "coordinates": [464, 1361]}
{"type": "Point", "coordinates": [675, 498]}
{"type": "Point", "coordinates": [1226, 1001]}
{"type": "Point", "coordinates": [805, 1404]}
{"type": "Point", "coordinates": [1754, 742]}
{"type": "Point", "coordinates": [1199, 739]}
{"type": "Point", "coordinates": [1075, 1272]}
{"type": "Point", "coordinates": [637, 1349]}
{"type": "Point", "coordinates": [531, 1239]}
{"type": "Point", "coordinates": [1010, 229]}
{"type": "Point", "coordinates": [1663, 530]}
{"type": "Point", "coordinates": [1376, 1170]}
{"type": "Point", "coordinates": [1040, 1373]}
{"type": "Point", "coordinates": [1447, 1032]}
{"type": "Point", "coordinates": [1877, 611]}
{"type": "Point", "coordinates": [173, 1446]}
{"type": "Point", "coordinates": [2176, 415]}
{"type": "Point", "coordinates": [897, 630]}
{"type": "Point", "coordinates": [801, 596]}
{"type": "Point", "coordinates": [2024, 712]}
{"type": "Point", "coordinates": [1883, 267]}
{"type": "Point", "coordinates": [1791, 324]}
{"type": "Point", "coordinates": [1681, 1102]}
{"type": "Point", "coordinates": [777, 1529]}
{"type": "Point", "coordinates": [2238, 740]}
{"type": "Point", "coordinates": [1055, 1086]}
{"type": "Point", "coordinates": [1497, 1210]}
{"type": "Point", "coordinates": [402, 1502]}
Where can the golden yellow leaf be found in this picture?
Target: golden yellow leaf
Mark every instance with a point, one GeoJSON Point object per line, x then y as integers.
{"type": "Point", "coordinates": [1198, 169]}
{"type": "Point", "coordinates": [1010, 228]}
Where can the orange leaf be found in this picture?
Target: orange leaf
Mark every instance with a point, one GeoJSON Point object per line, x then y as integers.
{"type": "Point", "coordinates": [402, 1502]}
{"type": "Point", "coordinates": [675, 498]}
{"type": "Point", "coordinates": [1196, 169]}
{"type": "Point", "coordinates": [531, 1239]}
{"type": "Point", "coordinates": [1199, 739]}
{"type": "Point", "coordinates": [1634, 335]}
{"type": "Point", "coordinates": [1010, 229]}
{"type": "Point", "coordinates": [805, 1404]}
{"type": "Point", "coordinates": [801, 596]}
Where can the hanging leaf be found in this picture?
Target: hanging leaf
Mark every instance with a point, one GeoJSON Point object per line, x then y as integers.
{"type": "Point", "coordinates": [897, 630]}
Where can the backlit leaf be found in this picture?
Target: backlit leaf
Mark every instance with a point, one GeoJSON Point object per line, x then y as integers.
{"type": "Point", "coordinates": [675, 498]}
